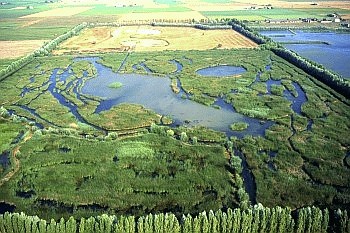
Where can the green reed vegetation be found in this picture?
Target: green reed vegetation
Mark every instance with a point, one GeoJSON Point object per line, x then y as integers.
{"type": "Point", "coordinates": [148, 173]}
{"type": "Point", "coordinates": [239, 126]}
{"type": "Point", "coordinates": [121, 117]}
{"type": "Point", "coordinates": [115, 85]}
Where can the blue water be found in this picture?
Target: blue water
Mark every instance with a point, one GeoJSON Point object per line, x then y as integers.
{"type": "Point", "coordinates": [63, 101]}
{"type": "Point", "coordinates": [154, 92]}
{"type": "Point", "coordinates": [221, 71]}
{"type": "Point", "coordinates": [334, 56]}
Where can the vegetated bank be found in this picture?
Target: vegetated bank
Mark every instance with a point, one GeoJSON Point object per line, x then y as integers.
{"type": "Point", "coordinates": [296, 164]}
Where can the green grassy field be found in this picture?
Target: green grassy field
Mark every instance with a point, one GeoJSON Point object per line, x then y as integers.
{"type": "Point", "coordinates": [107, 10]}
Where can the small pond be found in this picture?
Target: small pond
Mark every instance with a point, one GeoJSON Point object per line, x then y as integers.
{"type": "Point", "coordinates": [221, 71]}
{"type": "Point", "coordinates": [327, 48]}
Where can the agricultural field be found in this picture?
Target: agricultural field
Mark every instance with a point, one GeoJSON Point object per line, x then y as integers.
{"type": "Point", "coordinates": [22, 48]}
{"type": "Point", "coordinates": [148, 38]}
{"type": "Point", "coordinates": [59, 12]}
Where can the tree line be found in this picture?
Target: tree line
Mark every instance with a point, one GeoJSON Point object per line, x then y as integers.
{"type": "Point", "coordinates": [254, 219]}
{"type": "Point", "coordinates": [43, 51]}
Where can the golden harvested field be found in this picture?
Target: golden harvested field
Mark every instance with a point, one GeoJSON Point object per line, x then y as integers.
{"type": "Point", "coordinates": [148, 38]}
{"type": "Point", "coordinates": [59, 12]}
{"type": "Point", "coordinates": [15, 49]}
{"type": "Point", "coordinates": [163, 15]}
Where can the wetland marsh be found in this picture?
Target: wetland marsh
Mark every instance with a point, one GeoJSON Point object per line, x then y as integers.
{"type": "Point", "coordinates": [276, 118]}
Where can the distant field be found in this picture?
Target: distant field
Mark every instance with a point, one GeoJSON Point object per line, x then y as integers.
{"type": "Point", "coordinates": [6, 13]}
{"type": "Point", "coordinates": [110, 10]}
{"type": "Point", "coordinates": [161, 15]}
{"type": "Point", "coordinates": [277, 13]}
{"type": "Point", "coordinates": [59, 12]}
{"type": "Point", "coordinates": [33, 33]}
{"type": "Point", "coordinates": [148, 38]}
{"type": "Point", "coordinates": [15, 49]}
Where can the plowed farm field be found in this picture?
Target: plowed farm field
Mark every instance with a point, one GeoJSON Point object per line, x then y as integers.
{"type": "Point", "coordinates": [148, 38]}
{"type": "Point", "coordinates": [15, 49]}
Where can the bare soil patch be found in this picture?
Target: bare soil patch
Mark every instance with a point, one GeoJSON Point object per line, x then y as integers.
{"type": "Point", "coordinates": [15, 49]}
{"type": "Point", "coordinates": [148, 38]}
{"type": "Point", "coordinates": [58, 12]}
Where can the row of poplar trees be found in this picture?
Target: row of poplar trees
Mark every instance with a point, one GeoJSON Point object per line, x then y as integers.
{"type": "Point", "coordinates": [254, 219]}
{"type": "Point", "coordinates": [43, 51]}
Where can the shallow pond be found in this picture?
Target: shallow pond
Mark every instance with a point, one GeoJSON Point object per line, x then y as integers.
{"type": "Point", "coordinates": [154, 92]}
{"type": "Point", "coordinates": [333, 54]}
{"type": "Point", "coordinates": [221, 71]}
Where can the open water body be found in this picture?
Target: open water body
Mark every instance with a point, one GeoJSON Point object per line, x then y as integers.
{"type": "Point", "coordinates": [154, 92]}
{"type": "Point", "coordinates": [221, 71]}
{"type": "Point", "coordinates": [333, 54]}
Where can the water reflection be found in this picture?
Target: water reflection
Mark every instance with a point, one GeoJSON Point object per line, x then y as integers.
{"type": "Point", "coordinates": [154, 92]}
{"type": "Point", "coordinates": [333, 54]}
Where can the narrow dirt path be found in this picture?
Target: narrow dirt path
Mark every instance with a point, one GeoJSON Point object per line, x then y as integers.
{"type": "Point", "coordinates": [17, 165]}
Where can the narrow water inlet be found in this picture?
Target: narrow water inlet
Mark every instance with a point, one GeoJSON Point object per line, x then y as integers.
{"type": "Point", "coordinates": [248, 177]}
{"type": "Point", "coordinates": [4, 158]}
{"type": "Point", "coordinates": [6, 207]}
